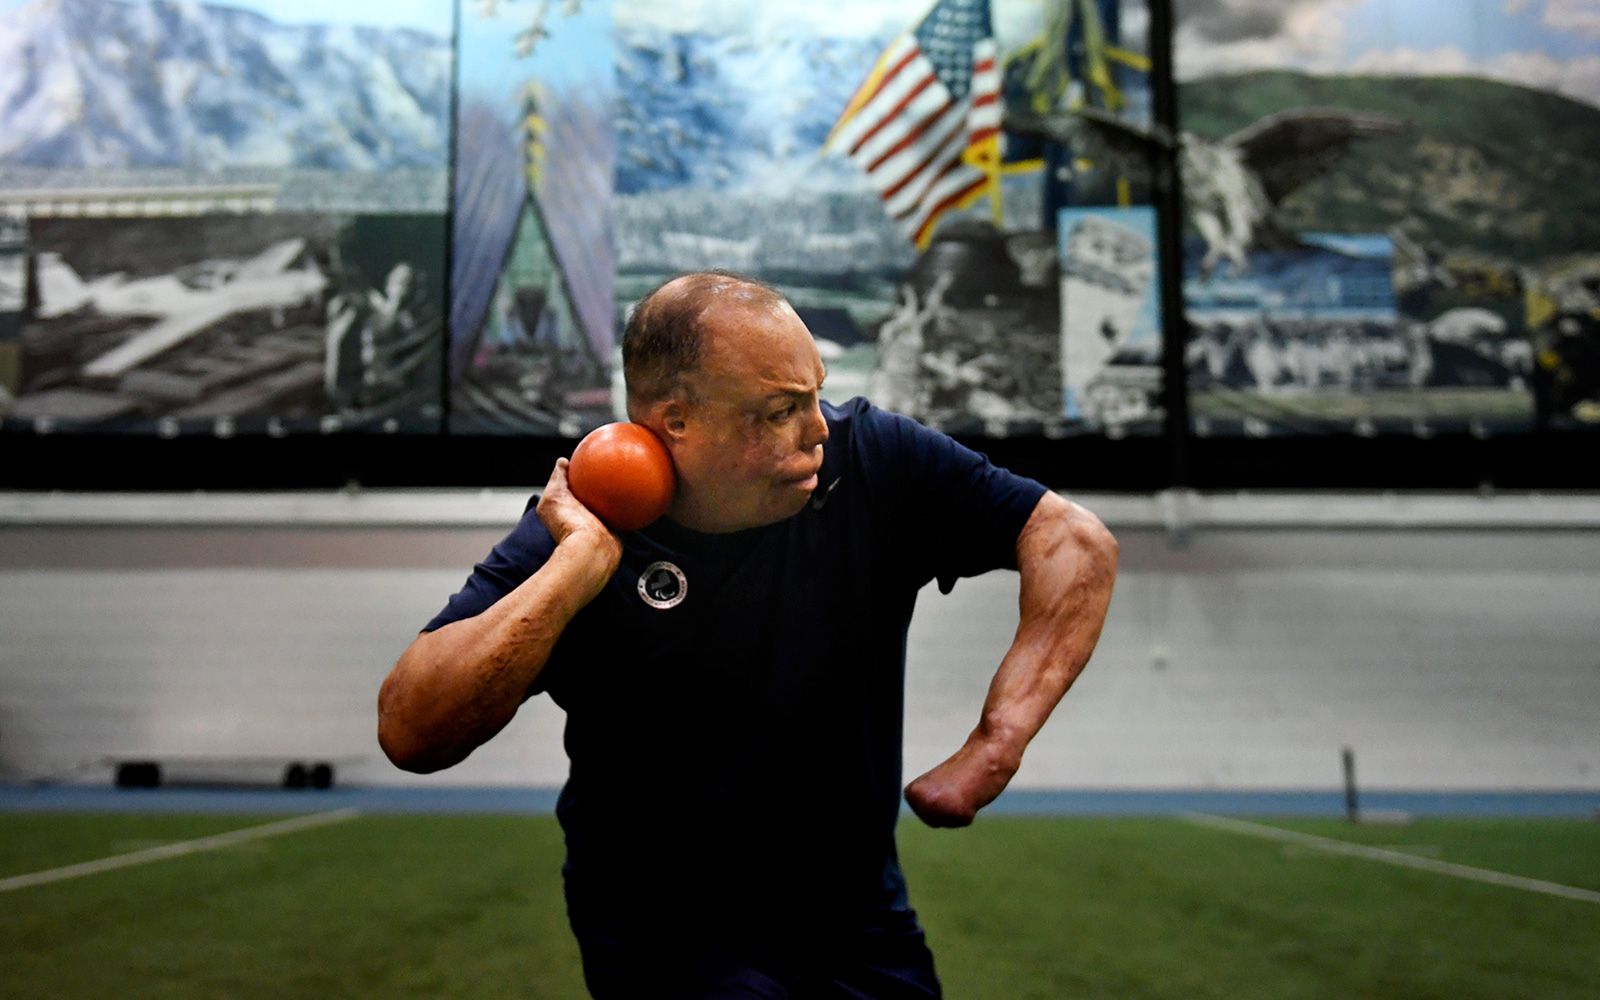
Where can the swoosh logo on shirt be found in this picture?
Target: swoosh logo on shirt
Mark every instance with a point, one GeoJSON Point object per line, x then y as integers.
{"type": "Point", "coordinates": [817, 501]}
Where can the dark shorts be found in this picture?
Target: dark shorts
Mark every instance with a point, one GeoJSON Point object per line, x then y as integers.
{"type": "Point", "coordinates": [882, 956]}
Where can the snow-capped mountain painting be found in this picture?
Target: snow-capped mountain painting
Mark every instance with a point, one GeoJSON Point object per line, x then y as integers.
{"type": "Point", "coordinates": [733, 112]}
{"type": "Point", "coordinates": [111, 84]}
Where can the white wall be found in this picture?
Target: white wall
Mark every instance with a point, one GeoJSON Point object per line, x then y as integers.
{"type": "Point", "coordinates": [1448, 660]}
{"type": "Point", "coordinates": [1452, 641]}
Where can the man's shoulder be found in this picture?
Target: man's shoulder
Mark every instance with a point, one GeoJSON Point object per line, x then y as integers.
{"type": "Point", "coordinates": [858, 418]}
{"type": "Point", "coordinates": [860, 437]}
{"type": "Point", "coordinates": [866, 429]}
{"type": "Point", "coordinates": [847, 413]}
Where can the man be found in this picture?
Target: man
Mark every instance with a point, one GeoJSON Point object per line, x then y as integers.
{"type": "Point", "coordinates": [733, 674]}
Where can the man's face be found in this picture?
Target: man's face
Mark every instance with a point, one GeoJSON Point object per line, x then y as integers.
{"type": "Point", "coordinates": [749, 446]}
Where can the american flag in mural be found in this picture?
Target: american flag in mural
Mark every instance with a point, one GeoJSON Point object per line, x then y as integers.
{"type": "Point", "coordinates": [925, 124]}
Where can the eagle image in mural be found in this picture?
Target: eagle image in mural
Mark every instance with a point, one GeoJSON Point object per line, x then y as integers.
{"type": "Point", "coordinates": [1231, 186]}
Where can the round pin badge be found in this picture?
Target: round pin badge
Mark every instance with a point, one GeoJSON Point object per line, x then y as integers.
{"type": "Point", "coordinates": [663, 585]}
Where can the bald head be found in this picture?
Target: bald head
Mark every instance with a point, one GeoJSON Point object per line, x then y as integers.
{"type": "Point", "coordinates": [665, 339]}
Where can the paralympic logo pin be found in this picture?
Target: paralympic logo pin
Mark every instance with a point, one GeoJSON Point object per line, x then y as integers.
{"type": "Point", "coordinates": [663, 585]}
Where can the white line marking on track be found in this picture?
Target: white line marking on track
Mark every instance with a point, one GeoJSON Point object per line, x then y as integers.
{"type": "Point", "coordinates": [1331, 846]}
{"type": "Point", "coordinates": [179, 849]}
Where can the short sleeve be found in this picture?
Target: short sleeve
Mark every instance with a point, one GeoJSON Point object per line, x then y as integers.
{"type": "Point", "coordinates": [517, 557]}
{"type": "Point", "coordinates": [955, 513]}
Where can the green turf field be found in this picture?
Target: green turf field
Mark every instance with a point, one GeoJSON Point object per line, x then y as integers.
{"type": "Point", "coordinates": [457, 906]}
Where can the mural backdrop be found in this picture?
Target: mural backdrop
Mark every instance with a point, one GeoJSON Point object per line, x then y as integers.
{"type": "Point", "coordinates": [1394, 214]}
{"type": "Point", "coordinates": [232, 218]}
{"type": "Point", "coordinates": [222, 219]}
{"type": "Point", "coordinates": [533, 319]}
{"type": "Point", "coordinates": [858, 160]}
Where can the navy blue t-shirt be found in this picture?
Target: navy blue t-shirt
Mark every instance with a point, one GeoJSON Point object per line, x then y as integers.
{"type": "Point", "coordinates": [734, 702]}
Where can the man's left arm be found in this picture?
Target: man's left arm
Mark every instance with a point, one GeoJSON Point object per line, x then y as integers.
{"type": "Point", "coordinates": [1068, 562]}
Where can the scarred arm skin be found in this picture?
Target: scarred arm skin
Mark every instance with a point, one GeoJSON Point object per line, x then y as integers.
{"type": "Point", "coordinates": [456, 687]}
{"type": "Point", "coordinates": [1068, 562]}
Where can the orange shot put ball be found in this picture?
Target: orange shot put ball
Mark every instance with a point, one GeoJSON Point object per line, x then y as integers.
{"type": "Point", "coordinates": [623, 473]}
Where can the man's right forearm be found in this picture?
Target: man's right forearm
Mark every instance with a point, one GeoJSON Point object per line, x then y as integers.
{"type": "Point", "coordinates": [456, 687]}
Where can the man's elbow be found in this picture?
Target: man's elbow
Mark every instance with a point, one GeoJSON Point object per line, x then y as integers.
{"type": "Point", "coordinates": [1078, 530]}
{"type": "Point", "coordinates": [406, 753]}
{"type": "Point", "coordinates": [1093, 537]}
{"type": "Point", "coordinates": [400, 741]}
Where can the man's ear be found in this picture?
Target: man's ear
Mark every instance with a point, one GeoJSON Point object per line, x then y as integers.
{"type": "Point", "coordinates": [667, 417]}
{"type": "Point", "coordinates": [673, 417]}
